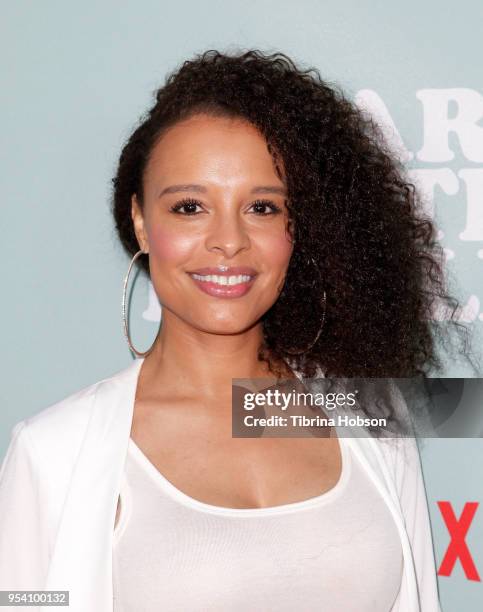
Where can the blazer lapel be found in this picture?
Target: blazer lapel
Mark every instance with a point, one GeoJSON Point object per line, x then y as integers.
{"type": "Point", "coordinates": [82, 558]}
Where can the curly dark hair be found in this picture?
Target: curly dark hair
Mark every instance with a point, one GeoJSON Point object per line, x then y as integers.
{"type": "Point", "coordinates": [356, 221]}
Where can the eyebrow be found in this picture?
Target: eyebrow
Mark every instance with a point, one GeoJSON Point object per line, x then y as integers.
{"type": "Point", "coordinates": [202, 189]}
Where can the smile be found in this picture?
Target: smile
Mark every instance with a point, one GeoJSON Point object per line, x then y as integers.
{"type": "Point", "coordinates": [223, 280]}
{"type": "Point", "coordinates": [224, 285]}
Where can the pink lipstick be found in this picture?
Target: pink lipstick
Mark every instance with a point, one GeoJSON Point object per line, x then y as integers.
{"type": "Point", "coordinates": [224, 282]}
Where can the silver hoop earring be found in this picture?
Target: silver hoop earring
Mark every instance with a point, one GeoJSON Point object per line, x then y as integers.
{"type": "Point", "coordinates": [307, 348]}
{"type": "Point", "coordinates": [323, 302]}
{"type": "Point", "coordinates": [124, 313]}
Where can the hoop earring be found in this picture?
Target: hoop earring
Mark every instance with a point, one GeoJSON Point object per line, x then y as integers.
{"type": "Point", "coordinates": [124, 314]}
{"type": "Point", "coordinates": [323, 301]}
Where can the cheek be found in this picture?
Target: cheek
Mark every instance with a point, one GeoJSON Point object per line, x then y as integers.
{"type": "Point", "coordinates": [277, 250]}
{"type": "Point", "coordinates": [168, 247]}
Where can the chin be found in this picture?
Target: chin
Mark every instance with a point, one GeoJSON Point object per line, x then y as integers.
{"type": "Point", "coordinates": [224, 327]}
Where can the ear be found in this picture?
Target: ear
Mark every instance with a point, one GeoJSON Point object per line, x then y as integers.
{"type": "Point", "coordinates": [138, 222]}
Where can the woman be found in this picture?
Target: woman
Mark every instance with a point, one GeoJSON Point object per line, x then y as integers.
{"type": "Point", "coordinates": [281, 238]}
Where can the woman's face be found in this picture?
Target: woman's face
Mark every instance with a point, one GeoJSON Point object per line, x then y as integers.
{"type": "Point", "coordinates": [212, 198]}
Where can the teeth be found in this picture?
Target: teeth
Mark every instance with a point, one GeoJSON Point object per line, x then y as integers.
{"type": "Point", "coordinates": [223, 280]}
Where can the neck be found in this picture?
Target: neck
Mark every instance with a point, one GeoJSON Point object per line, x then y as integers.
{"type": "Point", "coordinates": [200, 362]}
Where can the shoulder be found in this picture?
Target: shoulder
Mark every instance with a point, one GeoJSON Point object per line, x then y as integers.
{"type": "Point", "coordinates": [58, 430]}
{"type": "Point", "coordinates": [401, 456]}
{"type": "Point", "coordinates": [44, 449]}
{"type": "Point", "coordinates": [399, 452]}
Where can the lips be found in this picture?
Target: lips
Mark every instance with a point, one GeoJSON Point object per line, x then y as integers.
{"type": "Point", "coordinates": [236, 281]}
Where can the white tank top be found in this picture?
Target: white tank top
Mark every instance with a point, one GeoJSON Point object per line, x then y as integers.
{"type": "Point", "coordinates": [337, 552]}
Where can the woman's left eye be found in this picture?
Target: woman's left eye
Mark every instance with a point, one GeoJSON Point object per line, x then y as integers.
{"type": "Point", "coordinates": [262, 205]}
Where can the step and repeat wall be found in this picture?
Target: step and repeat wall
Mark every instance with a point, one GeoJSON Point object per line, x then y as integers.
{"type": "Point", "coordinates": [76, 78]}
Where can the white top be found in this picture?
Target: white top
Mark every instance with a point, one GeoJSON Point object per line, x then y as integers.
{"type": "Point", "coordinates": [337, 551]}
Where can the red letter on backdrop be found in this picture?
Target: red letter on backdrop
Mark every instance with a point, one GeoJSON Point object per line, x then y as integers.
{"type": "Point", "coordinates": [457, 547]}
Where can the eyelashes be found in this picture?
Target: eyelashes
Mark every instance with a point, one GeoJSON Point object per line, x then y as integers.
{"type": "Point", "coordinates": [191, 204]}
{"type": "Point", "coordinates": [185, 203]}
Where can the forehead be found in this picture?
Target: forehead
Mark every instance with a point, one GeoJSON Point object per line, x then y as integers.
{"type": "Point", "coordinates": [216, 147]}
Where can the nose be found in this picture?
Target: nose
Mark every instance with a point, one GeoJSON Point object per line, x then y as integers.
{"type": "Point", "coordinates": [227, 234]}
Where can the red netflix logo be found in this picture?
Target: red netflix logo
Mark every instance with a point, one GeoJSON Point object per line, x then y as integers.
{"type": "Point", "coordinates": [458, 549]}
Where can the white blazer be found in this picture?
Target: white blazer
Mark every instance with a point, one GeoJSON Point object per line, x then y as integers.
{"type": "Point", "coordinates": [61, 477]}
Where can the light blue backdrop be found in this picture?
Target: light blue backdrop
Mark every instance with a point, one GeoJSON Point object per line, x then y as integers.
{"type": "Point", "coordinates": [76, 76]}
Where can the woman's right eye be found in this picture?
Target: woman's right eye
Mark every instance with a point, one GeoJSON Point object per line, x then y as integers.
{"type": "Point", "coordinates": [189, 205]}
